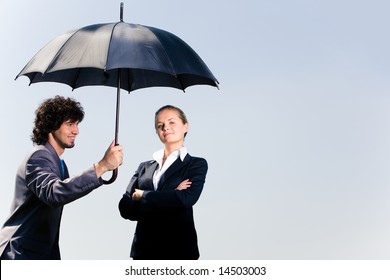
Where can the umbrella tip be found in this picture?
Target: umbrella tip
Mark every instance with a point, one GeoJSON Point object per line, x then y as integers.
{"type": "Point", "coordinates": [121, 12]}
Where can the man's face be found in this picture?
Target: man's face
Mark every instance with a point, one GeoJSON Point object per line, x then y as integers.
{"type": "Point", "coordinates": [65, 136]}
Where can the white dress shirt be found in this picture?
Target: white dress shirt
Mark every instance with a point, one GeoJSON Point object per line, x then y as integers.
{"type": "Point", "coordinates": [158, 156]}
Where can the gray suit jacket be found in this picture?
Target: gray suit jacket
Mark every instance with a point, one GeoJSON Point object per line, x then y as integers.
{"type": "Point", "coordinates": [41, 190]}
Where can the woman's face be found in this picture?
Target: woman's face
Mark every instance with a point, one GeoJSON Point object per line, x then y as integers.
{"type": "Point", "coordinates": [170, 128]}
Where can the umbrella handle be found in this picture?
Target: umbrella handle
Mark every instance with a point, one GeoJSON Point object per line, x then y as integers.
{"type": "Point", "coordinates": [113, 177]}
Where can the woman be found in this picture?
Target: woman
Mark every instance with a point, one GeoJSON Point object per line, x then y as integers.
{"type": "Point", "coordinates": [162, 192]}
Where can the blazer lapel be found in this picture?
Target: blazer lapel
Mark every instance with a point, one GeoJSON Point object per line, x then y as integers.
{"type": "Point", "coordinates": [57, 159]}
{"type": "Point", "coordinates": [176, 165]}
{"type": "Point", "coordinates": [150, 168]}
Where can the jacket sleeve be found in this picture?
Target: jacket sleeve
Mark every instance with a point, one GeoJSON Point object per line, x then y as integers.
{"type": "Point", "coordinates": [170, 199]}
{"type": "Point", "coordinates": [42, 179]}
{"type": "Point", "coordinates": [128, 208]}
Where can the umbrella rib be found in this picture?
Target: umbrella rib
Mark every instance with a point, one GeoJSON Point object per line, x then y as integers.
{"type": "Point", "coordinates": [170, 62]}
{"type": "Point", "coordinates": [109, 45]}
{"type": "Point", "coordinates": [58, 52]}
{"type": "Point", "coordinates": [75, 80]}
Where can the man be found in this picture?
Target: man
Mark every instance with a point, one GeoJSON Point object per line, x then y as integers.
{"type": "Point", "coordinates": [43, 185]}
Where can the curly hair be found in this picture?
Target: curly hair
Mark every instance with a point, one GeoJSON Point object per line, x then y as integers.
{"type": "Point", "coordinates": [51, 114]}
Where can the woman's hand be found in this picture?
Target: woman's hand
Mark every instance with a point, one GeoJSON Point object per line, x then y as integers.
{"type": "Point", "coordinates": [137, 195]}
{"type": "Point", "coordinates": [184, 185]}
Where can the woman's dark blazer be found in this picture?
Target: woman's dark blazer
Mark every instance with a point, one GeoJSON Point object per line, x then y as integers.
{"type": "Point", "coordinates": [165, 224]}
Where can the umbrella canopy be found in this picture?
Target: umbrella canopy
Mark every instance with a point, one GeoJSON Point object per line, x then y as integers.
{"type": "Point", "coordinates": [122, 55]}
{"type": "Point", "coordinates": [142, 56]}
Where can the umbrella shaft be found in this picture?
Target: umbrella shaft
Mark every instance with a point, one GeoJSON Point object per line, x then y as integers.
{"type": "Point", "coordinates": [118, 103]}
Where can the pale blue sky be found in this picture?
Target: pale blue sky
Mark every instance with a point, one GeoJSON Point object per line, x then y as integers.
{"type": "Point", "coordinates": [297, 138]}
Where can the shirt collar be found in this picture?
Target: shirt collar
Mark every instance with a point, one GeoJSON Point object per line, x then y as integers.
{"type": "Point", "coordinates": [182, 152]}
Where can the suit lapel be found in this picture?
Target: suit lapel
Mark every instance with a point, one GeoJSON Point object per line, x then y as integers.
{"type": "Point", "coordinates": [57, 159]}
{"type": "Point", "coordinates": [150, 168]}
{"type": "Point", "coordinates": [176, 165]}
{"type": "Point", "coordinates": [65, 173]}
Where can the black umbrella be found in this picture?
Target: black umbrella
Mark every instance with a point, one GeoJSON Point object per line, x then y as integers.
{"type": "Point", "coordinates": [122, 55]}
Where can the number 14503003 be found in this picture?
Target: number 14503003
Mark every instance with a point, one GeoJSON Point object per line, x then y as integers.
{"type": "Point", "coordinates": [244, 270]}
